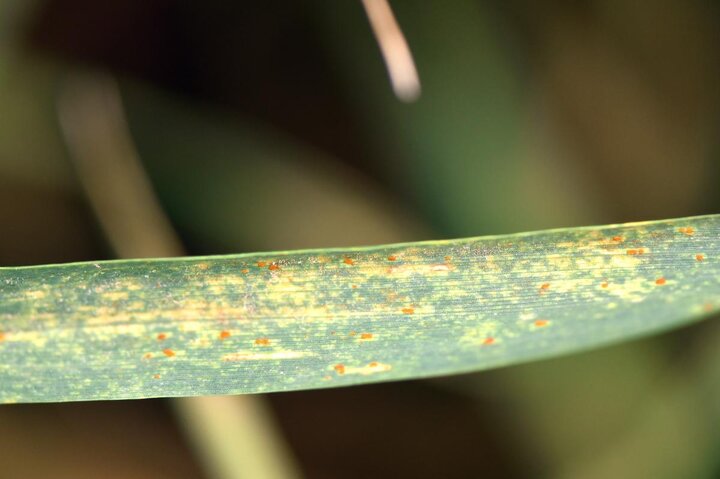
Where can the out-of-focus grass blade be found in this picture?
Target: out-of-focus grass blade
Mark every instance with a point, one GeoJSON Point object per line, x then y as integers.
{"type": "Point", "coordinates": [326, 318]}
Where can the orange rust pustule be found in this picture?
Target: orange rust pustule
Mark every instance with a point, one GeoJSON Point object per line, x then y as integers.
{"type": "Point", "coordinates": [488, 341]}
{"type": "Point", "coordinates": [274, 267]}
{"type": "Point", "coordinates": [168, 352]}
{"type": "Point", "coordinates": [348, 261]}
{"type": "Point", "coordinates": [224, 334]}
{"type": "Point", "coordinates": [262, 342]}
{"type": "Point", "coordinates": [156, 376]}
{"type": "Point", "coordinates": [634, 252]}
{"type": "Point", "coordinates": [373, 364]}
{"type": "Point", "coordinates": [366, 336]}
{"type": "Point", "coordinates": [245, 271]}
{"type": "Point", "coordinates": [699, 257]}
{"type": "Point", "coordinates": [544, 287]}
{"type": "Point", "coordinates": [604, 284]}
{"type": "Point", "coordinates": [408, 310]}
{"type": "Point", "coordinates": [618, 239]}
{"type": "Point", "coordinates": [339, 368]}
{"type": "Point", "coordinates": [689, 231]}
{"type": "Point", "coordinates": [2, 336]}
{"type": "Point", "coordinates": [261, 264]}
{"type": "Point", "coordinates": [660, 281]}
{"type": "Point", "coordinates": [161, 337]}
{"type": "Point", "coordinates": [392, 257]}
{"type": "Point", "coordinates": [540, 323]}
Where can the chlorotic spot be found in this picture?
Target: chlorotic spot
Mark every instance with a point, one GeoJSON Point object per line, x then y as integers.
{"type": "Point", "coordinates": [700, 257]}
{"type": "Point", "coordinates": [348, 261]}
{"type": "Point", "coordinates": [2, 336]}
{"type": "Point", "coordinates": [660, 281]}
{"type": "Point", "coordinates": [373, 364]}
{"type": "Point", "coordinates": [262, 342]}
{"type": "Point", "coordinates": [392, 257]}
{"type": "Point", "coordinates": [147, 356]}
{"type": "Point", "coordinates": [274, 267]}
{"type": "Point", "coordinates": [366, 336]}
{"type": "Point", "coordinates": [168, 352]}
{"type": "Point", "coordinates": [261, 264]}
{"type": "Point", "coordinates": [202, 266]}
{"type": "Point", "coordinates": [352, 333]}
{"type": "Point", "coordinates": [604, 284]}
{"type": "Point", "coordinates": [224, 334]}
{"type": "Point", "coordinates": [408, 310]}
{"type": "Point", "coordinates": [156, 376]}
{"type": "Point", "coordinates": [541, 323]}
{"type": "Point", "coordinates": [488, 341]}
{"type": "Point", "coordinates": [448, 259]}
{"type": "Point", "coordinates": [339, 368]}
{"type": "Point", "coordinates": [161, 337]}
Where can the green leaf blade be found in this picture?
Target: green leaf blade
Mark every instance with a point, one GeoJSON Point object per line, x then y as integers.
{"type": "Point", "coordinates": [327, 318]}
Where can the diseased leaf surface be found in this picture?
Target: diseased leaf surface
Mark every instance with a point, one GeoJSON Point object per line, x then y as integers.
{"type": "Point", "coordinates": [310, 319]}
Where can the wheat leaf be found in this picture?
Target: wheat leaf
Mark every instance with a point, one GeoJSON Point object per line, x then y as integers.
{"type": "Point", "coordinates": [326, 318]}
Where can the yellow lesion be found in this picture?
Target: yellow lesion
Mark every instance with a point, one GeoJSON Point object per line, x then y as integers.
{"type": "Point", "coordinates": [224, 280]}
{"type": "Point", "coordinates": [115, 295]}
{"type": "Point", "coordinates": [308, 313]}
{"type": "Point", "coordinates": [264, 356]}
{"type": "Point", "coordinates": [404, 271]}
{"type": "Point", "coordinates": [109, 331]}
{"type": "Point", "coordinates": [625, 261]}
{"type": "Point", "coordinates": [591, 244]}
{"type": "Point", "coordinates": [592, 265]}
{"type": "Point", "coordinates": [131, 285]}
{"type": "Point", "coordinates": [490, 264]}
{"type": "Point", "coordinates": [631, 290]}
{"type": "Point", "coordinates": [37, 338]}
{"type": "Point", "coordinates": [554, 262]}
{"type": "Point", "coordinates": [478, 335]}
{"type": "Point", "coordinates": [35, 294]}
{"type": "Point", "coordinates": [186, 310]}
{"type": "Point", "coordinates": [573, 284]}
{"type": "Point", "coordinates": [371, 368]}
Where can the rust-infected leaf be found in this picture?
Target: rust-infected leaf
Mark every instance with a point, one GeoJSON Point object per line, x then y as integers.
{"type": "Point", "coordinates": [326, 318]}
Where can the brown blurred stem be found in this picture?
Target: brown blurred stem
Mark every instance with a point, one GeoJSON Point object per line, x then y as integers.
{"type": "Point", "coordinates": [233, 436]}
{"type": "Point", "coordinates": [394, 48]}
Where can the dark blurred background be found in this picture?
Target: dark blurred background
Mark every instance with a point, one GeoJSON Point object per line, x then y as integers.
{"type": "Point", "coordinates": [272, 125]}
